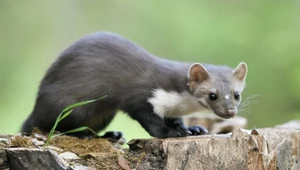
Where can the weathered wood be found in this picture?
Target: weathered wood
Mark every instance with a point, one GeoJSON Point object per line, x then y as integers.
{"type": "Point", "coordinates": [3, 159]}
{"type": "Point", "coordinates": [270, 149]}
{"type": "Point", "coordinates": [33, 159]}
{"type": "Point", "coordinates": [258, 149]}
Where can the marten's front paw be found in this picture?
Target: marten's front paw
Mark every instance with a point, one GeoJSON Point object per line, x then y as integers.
{"type": "Point", "coordinates": [177, 133]}
{"type": "Point", "coordinates": [197, 130]}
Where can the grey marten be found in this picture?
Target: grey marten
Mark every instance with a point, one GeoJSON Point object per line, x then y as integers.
{"type": "Point", "coordinates": [153, 91]}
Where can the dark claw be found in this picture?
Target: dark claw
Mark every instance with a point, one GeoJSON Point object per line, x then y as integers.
{"type": "Point", "coordinates": [179, 134]}
{"type": "Point", "coordinates": [198, 130]}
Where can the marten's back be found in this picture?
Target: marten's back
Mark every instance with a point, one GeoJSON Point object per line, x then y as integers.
{"type": "Point", "coordinates": [98, 64]}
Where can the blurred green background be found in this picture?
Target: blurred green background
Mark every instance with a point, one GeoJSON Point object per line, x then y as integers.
{"type": "Point", "coordinates": [264, 34]}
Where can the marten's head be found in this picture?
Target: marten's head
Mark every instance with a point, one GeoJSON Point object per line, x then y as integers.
{"type": "Point", "coordinates": [218, 88]}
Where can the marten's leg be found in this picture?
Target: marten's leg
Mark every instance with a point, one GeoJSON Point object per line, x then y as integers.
{"type": "Point", "coordinates": [155, 125]}
{"type": "Point", "coordinates": [99, 117]}
{"type": "Point", "coordinates": [101, 120]}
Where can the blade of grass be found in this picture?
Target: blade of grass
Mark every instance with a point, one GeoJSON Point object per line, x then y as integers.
{"type": "Point", "coordinates": [66, 112]}
{"type": "Point", "coordinates": [81, 104]}
{"type": "Point", "coordinates": [54, 127]}
{"type": "Point", "coordinates": [80, 129]}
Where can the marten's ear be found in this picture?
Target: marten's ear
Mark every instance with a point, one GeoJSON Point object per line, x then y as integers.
{"type": "Point", "coordinates": [240, 72]}
{"type": "Point", "coordinates": [197, 74]}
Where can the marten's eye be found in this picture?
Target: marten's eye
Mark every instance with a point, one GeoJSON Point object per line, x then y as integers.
{"type": "Point", "coordinates": [213, 96]}
{"type": "Point", "coordinates": [236, 95]}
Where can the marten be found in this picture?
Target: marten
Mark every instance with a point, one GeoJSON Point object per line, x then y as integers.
{"type": "Point", "coordinates": [154, 91]}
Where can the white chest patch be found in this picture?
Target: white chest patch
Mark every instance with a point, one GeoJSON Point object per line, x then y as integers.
{"type": "Point", "coordinates": [174, 104]}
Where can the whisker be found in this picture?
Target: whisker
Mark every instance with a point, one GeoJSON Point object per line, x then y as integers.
{"type": "Point", "coordinates": [244, 113]}
{"type": "Point", "coordinates": [243, 108]}
{"type": "Point", "coordinates": [246, 104]}
{"type": "Point", "coordinates": [249, 101]}
{"type": "Point", "coordinates": [251, 97]}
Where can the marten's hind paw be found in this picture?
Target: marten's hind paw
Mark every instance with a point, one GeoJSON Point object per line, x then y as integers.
{"type": "Point", "coordinates": [114, 137]}
{"type": "Point", "coordinates": [197, 130]}
{"type": "Point", "coordinates": [113, 134]}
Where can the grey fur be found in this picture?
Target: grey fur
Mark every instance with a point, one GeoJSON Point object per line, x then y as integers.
{"type": "Point", "coordinates": [108, 64]}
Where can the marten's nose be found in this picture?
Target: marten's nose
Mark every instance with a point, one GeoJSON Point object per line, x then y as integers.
{"type": "Point", "coordinates": [231, 112]}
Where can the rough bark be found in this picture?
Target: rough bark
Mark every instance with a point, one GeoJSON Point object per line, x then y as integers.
{"type": "Point", "coordinates": [262, 149]}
